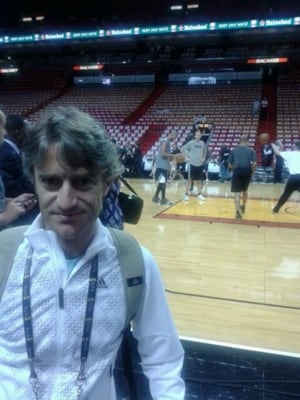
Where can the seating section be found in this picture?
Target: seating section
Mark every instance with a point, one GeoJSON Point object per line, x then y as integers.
{"type": "Point", "coordinates": [288, 106]}
{"type": "Point", "coordinates": [24, 102]}
{"type": "Point", "coordinates": [228, 107]}
{"type": "Point", "coordinates": [110, 106]}
{"type": "Point", "coordinates": [27, 92]}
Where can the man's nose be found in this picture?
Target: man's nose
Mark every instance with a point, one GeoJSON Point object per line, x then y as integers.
{"type": "Point", "coordinates": [66, 196]}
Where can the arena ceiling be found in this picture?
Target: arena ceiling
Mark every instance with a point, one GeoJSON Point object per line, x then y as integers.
{"type": "Point", "coordinates": [59, 12]}
{"type": "Point", "coordinates": [88, 12]}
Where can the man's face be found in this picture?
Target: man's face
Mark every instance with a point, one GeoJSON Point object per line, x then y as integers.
{"type": "Point", "coordinates": [197, 135]}
{"type": "Point", "coordinates": [70, 200]}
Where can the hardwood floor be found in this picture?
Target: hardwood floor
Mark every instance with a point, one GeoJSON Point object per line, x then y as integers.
{"type": "Point", "coordinates": [231, 281]}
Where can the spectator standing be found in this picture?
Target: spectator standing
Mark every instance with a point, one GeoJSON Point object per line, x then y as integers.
{"type": "Point", "coordinates": [255, 107]}
{"type": "Point", "coordinates": [129, 160]}
{"type": "Point", "coordinates": [264, 108]}
{"type": "Point", "coordinates": [138, 160]}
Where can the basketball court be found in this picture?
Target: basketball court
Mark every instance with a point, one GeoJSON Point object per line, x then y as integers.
{"type": "Point", "coordinates": [242, 274]}
{"type": "Point", "coordinates": [232, 286]}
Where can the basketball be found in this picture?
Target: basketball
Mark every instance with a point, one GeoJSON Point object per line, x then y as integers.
{"type": "Point", "coordinates": [264, 138]}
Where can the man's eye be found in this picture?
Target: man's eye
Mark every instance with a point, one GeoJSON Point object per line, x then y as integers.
{"type": "Point", "coordinates": [82, 183]}
{"type": "Point", "coordinates": [51, 182]}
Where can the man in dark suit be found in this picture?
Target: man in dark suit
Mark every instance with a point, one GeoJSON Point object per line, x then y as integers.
{"type": "Point", "coordinates": [14, 179]}
{"type": "Point", "coordinates": [11, 169]}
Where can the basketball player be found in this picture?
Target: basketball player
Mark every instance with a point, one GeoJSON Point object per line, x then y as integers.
{"type": "Point", "coordinates": [292, 159]}
{"type": "Point", "coordinates": [242, 161]}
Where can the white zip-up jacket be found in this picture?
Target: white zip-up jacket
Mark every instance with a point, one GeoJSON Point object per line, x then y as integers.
{"type": "Point", "coordinates": [58, 331]}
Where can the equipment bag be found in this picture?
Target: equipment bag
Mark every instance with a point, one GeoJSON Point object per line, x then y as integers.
{"type": "Point", "coordinates": [131, 204]}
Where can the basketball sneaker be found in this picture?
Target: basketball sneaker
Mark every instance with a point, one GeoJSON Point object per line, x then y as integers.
{"type": "Point", "coordinates": [238, 215]}
{"type": "Point", "coordinates": [164, 202]}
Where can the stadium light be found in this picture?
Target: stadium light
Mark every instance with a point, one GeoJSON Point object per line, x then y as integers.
{"type": "Point", "coordinates": [26, 19]}
{"type": "Point", "coordinates": [192, 6]}
{"type": "Point", "coordinates": [176, 7]}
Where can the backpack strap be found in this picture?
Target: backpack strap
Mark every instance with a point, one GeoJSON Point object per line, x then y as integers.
{"type": "Point", "coordinates": [10, 239]}
{"type": "Point", "coordinates": [133, 270]}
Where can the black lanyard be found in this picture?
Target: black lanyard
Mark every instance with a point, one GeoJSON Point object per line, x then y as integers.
{"type": "Point", "coordinates": [87, 328]}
